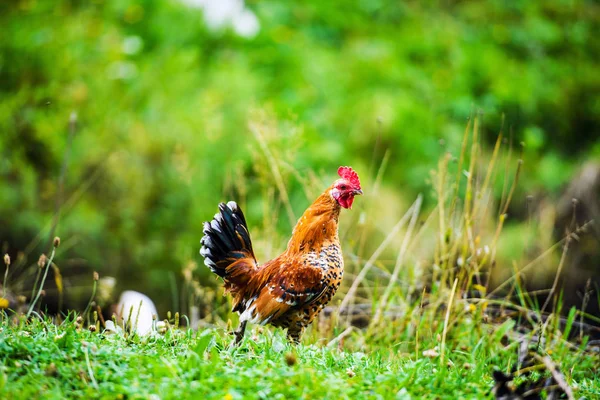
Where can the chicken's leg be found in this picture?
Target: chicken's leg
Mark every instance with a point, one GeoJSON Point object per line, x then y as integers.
{"type": "Point", "coordinates": [295, 335]}
{"type": "Point", "coordinates": [239, 332]}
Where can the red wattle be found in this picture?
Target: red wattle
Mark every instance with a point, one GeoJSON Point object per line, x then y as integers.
{"type": "Point", "coordinates": [346, 201]}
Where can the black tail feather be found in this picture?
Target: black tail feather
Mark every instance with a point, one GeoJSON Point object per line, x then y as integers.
{"type": "Point", "coordinates": [226, 239]}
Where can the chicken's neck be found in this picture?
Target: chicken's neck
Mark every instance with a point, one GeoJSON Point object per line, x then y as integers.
{"type": "Point", "coordinates": [317, 226]}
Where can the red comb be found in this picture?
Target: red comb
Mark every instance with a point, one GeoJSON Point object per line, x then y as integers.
{"type": "Point", "coordinates": [349, 174]}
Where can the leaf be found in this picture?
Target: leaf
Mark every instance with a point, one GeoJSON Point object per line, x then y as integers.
{"type": "Point", "coordinates": [503, 329]}
{"type": "Point", "coordinates": [203, 343]}
{"type": "Point", "coordinates": [569, 324]}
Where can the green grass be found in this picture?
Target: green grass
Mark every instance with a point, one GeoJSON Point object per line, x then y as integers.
{"type": "Point", "coordinates": [39, 359]}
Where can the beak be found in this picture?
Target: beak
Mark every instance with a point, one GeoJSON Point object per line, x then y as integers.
{"type": "Point", "coordinates": [358, 191]}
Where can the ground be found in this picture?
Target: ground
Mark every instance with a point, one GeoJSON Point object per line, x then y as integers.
{"type": "Point", "coordinates": [42, 360]}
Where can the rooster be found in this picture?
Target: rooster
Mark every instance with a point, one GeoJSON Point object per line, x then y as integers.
{"type": "Point", "coordinates": [290, 290]}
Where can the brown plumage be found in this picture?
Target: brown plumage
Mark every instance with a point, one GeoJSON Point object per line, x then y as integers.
{"type": "Point", "coordinates": [290, 290]}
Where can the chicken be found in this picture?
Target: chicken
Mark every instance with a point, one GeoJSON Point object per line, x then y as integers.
{"type": "Point", "coordinates": [290, 290]}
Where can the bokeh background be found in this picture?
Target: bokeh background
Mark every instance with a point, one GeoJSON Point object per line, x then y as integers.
{"type": "Point", "coordinates": [181, 104]}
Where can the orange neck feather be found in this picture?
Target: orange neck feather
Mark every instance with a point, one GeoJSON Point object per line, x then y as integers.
{"type": "Point", "coordinates": [317, 225]}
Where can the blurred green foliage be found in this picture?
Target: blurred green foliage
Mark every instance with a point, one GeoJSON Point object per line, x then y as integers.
{"type": "Point", "coordinates": [164, 106]}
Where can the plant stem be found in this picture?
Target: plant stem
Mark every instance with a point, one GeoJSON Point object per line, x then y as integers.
{"type": "Point", "coordinates": [91, 298]}
{"type": "Point", "coordinates": [63, 172]}
{"type": "Point", "coordinates": [445, 331]}
{"type": "Point", "coordinates": [89, 368]}
{"type": "Point", "coordinates": [37, 279]}
{"type": "Point", "coordinates": [32, 306]}
{"type": "Point", "coordinates": [5, 280]}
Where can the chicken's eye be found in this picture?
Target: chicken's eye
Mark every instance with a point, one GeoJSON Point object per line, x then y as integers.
{"type": "Point", "coordinates": [343, 187]}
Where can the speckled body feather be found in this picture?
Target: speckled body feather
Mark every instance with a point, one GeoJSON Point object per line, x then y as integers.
{"type": "Point", "coordinates": [290, 290]}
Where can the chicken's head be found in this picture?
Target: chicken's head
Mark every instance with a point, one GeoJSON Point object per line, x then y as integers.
{"type": "Point", "coordinates": [345, 188]}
